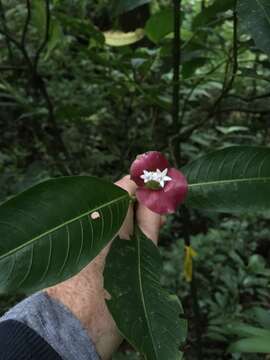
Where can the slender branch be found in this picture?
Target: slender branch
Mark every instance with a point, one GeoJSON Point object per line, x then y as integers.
{"type": "Point", "coordinates": [10, 38]}
{"type": "Point", "coordinates": [46, 35]}
{"type": "Point", "coordinates": [175, 151]}
{"type": "Point", "coordinates": [53, 126]}
{"type": "Point", "coordinates": [255, 67]}
{"type": "Point", "coordinates": [26, 24]}
{"type": "Point", "coordinates": [176, 64]}
{"type": "Point", "coordinates": [203, 5]}
{"type": "Point", "coordinates": [247, 111]}
{"type": "Point", "coordinates": [199, 82]}
{"type": "Point", "coordinates": [3, 20]}
{"type": "Point", "coordinates": [228, 85]}
{"type": "Point", "coordinates": [184, 135]}
{"type": "Point", "coordinates": [12, 68]}
{"type": "Point", "coordinates": [40, 88]}
{"type": "Point", "coordinates": [251, 98]}
{"type": "Point", "coordinates": [197, 314]}
{"type": "Point", "coordinates": [209, 24]}
{"type": "Point", "coordinates": [18, 46]}
{"type": "Point", "coordinates": [193, 285]}
{"type": "Point", "coordinates": [235, 41]}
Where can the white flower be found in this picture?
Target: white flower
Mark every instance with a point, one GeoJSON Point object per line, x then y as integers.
{"type": "Point", "coordinates": [157, 176]}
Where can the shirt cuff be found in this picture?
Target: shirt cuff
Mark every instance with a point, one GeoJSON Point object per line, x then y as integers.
{"type": "Point", "coordinates": [56, 324]}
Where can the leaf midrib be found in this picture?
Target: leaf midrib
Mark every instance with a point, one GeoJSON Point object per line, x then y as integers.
{"type": "Point", "coordinates": [60, 226]}
{"type": "Point", "coordinates": [263, 9]}
{"type": "Point", "coordinates": [142, 293]}
{"type": "Point", "coordinates": [225, 182]}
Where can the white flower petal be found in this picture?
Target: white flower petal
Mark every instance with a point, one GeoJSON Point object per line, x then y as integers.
{"type": "Point", "coordinates": [157, 176]}
{"type": "Point", "coordinates": [164, 172]}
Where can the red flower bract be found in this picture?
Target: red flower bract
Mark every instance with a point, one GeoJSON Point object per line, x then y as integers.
{"type": "Point", "coordinates": [162, 200]}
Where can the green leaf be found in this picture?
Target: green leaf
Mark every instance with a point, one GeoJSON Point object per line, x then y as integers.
{"type": "Point", "coordinates": [235, 179]}
{"type": "Point", "coordinates": [159, 25]}
{"type": "Point", "coordinates": [80, 27]}
{"type": "Point", "coordinates": [39, 16]}
{"type": "Point", "coordinates": [119, 38]}
{"type": "Point", "coordinates": [251, 345]}
{"type": "Point", "coordinates": [244, 330]}
{"type": "Point", "coordinates": [191, 66]}
{"type": "Point", "coordinates": [209, 15]}
{"type": "Point", "coordinates": [40, 20]}
{"type": "Point", "coordinates": [146, 315]}
{"type": "Point", "coordinates": [256, 264]}
{"type": "Point", "coordinates": [47, 233]}
{"type": "Point", "coordinates": [231, 129]}
{"type": "Point", "coordinates": [255, 16]}
{"type": "Point", "coordinates": [55, 39]}
{"type": "Point", "coordinates": [123, 6]}
{"type": "Point", "coordinates": [260, 315]}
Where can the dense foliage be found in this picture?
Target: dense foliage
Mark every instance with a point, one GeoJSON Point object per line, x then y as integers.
{"type": "Point", "coordinates": [71, 103]}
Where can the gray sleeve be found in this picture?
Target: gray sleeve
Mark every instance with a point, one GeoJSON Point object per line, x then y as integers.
{"type": "Point", "coordinates": [55, 324]}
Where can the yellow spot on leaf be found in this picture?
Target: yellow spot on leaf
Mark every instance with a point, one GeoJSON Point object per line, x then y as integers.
{"type": "Point", "coordinates": [190, 253]}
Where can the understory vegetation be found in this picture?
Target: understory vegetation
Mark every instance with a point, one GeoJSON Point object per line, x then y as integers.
{"type": "Point", "coordinates": [77, 98]}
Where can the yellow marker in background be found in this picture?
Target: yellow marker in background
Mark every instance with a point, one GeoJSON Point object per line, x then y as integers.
{"type": "Point", "coordinates": [190, 253]}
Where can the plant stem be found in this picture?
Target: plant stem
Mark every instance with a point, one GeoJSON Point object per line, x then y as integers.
{"type": "Point", "coordinates": [233, 59]}
{"type": "Point", "coordinates": [174, 145]}
{"type": "Point", "coordinates": [176, 64]}
{"type": "Point", "coordinates": [46, 34]}
{"type": "Point", "coordinates": [26, 24]}
{"type": "Point", "coordinates": [4, 24]}
{"type": "Point", "coordinates": [175, 148]}
{"type": "Point", "coordinates": [196, 313]}
{"type": "Point", "coordinates": [51, 137]}
{"type": "Point", "coordinates": [203, 5]}
{"type": "Point", "coordinates": [193, 286]}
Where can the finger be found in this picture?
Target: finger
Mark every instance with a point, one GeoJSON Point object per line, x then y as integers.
{"type": "Point", "coordinates": [127, 184]}
{"type": "Point", "coordinates": [127, 228]}
{"type": "Point", "coordinates": [149, 222]}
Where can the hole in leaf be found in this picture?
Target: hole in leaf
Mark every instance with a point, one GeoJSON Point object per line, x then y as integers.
{"type": "Point", "coordinates": [95, 215]}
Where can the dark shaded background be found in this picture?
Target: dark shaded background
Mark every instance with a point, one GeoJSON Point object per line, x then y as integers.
{"type": "Point", "coordinates": [69, 104]}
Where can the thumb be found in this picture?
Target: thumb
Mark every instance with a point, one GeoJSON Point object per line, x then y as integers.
{"type": "Point", "coordinates": [149, 222]}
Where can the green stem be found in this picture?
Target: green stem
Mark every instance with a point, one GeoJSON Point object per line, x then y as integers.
{"type": "Point", "coordinates": [174, 145]}
{"type": "Point", "coordinates": [175, 149]}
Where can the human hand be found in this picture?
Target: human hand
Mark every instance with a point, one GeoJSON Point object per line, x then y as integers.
{"type": "Point", "coordinates": [84, 294]}
{"type": "Point", "coordinates": [148, 221]}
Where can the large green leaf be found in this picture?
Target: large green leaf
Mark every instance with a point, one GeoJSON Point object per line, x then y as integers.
{"type": "Point", "coordinates": [47, 233]}
{"type": "Point", "coordinates": [39, 16]}
{"type": "Point", "coordinates": [251, 345]}
{"type": "Point", "coordinates": [209, 15]}
{"type": "Point", "coordinates": [80, 27]}
{"type": "Point", "coordinates": [159, 25]}
{"type": "Point", "coordinates": [245, 330]}
{"type": "Point", "coordinates": [55, 39]}
{"type": "Point", "coordinates": [235, 179]}
{"type": "Point", "coordinates": [255, 15]}
{"type": "Point", "coordinates": [260, 315]}
{"type": "Point", "coordinates": [122, 6]}
{"type": "Point", "coordinates": [146, 315]}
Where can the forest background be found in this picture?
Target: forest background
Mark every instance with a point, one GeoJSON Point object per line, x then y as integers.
{"type": "Point", "coordinates": [76, 98]}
